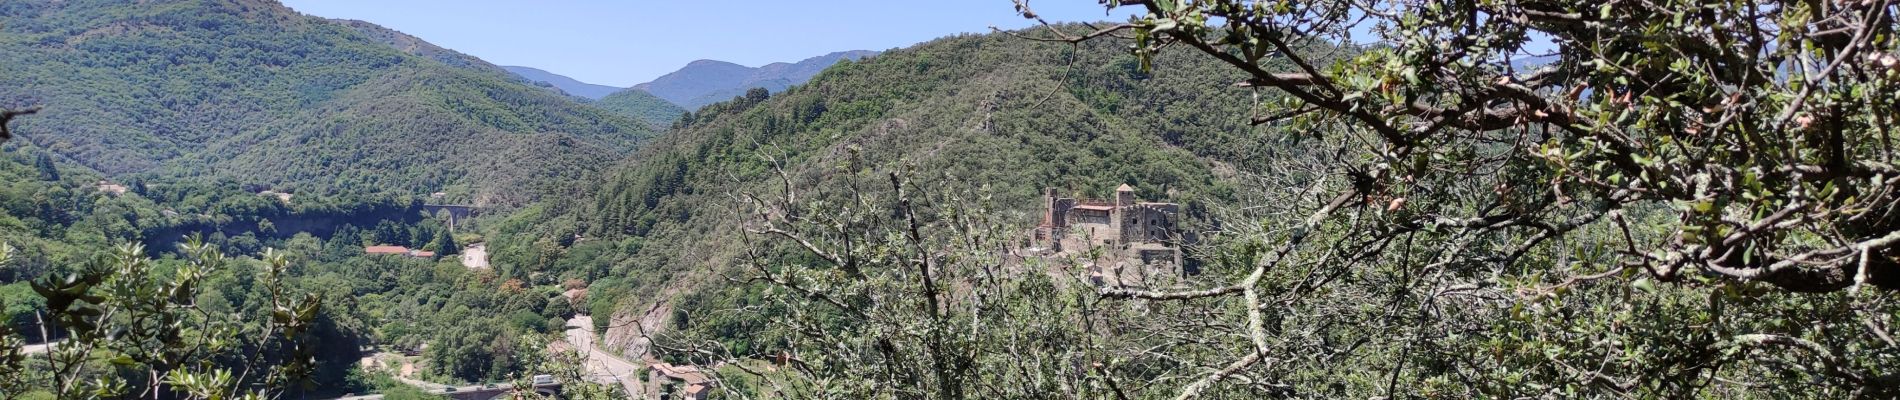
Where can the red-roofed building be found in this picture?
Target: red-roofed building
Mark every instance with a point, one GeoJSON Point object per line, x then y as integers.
{"type": "Point", "coordinates": [1122, 220]}
{"type": "Point", "coordinates": [397, 250]}
{"type": "Point", "coordinates": [698, 385]}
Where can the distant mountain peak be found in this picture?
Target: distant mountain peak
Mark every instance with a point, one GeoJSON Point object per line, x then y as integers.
{"type": "Point", "coordinates": [712, 63]}
{"type": "Point", "coordinates": [703, 82]}
{"type": "Point", "coordinates": [697, 84]}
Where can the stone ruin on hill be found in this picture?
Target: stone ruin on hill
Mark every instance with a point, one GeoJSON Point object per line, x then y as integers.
{"type": "Point", "coordinates": [1140, 239]}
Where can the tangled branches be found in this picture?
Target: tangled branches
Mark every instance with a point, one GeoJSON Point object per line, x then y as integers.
{"type": "Point", "coordinates": [1713, 145]}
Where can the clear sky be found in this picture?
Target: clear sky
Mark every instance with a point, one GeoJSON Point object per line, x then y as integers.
{"type": "Point", "coordinates": [625, 42]}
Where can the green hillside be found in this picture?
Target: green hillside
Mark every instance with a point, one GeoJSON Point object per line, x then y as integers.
{"type": "Point", "coordinates": [980, 113]}
{"type": "Point", "coordinates": [962, 112]}
{"type": "Point", "coordinates": [255, 92]}
{"type": "Point", "coordinates": [640, 104]}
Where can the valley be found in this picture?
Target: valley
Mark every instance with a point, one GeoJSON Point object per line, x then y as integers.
{"type": "Point", "coordinates": [264, 199]}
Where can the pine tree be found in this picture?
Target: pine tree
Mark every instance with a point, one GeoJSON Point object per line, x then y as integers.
{"type": "Point", "coordinates": [345, 243]}
{"type": "Point", "coordinates": [445, 244]}
{"type": "Point", "coordinates": [44, 163]}
{"type": "Point", "coordinates": [756, 95]}
{"type": "Point", "coordinates": [390, 233]}
{"type": "Point", "coordinates": [136, 185]}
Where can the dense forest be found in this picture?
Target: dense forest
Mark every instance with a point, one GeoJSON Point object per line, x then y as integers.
{"type": "Point", "coordinates": [666, 230]}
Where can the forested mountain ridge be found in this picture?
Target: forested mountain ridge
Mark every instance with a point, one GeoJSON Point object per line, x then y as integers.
{"type": "Point", "coordinates": [253, 91]}
{"type": "Point", "coordinates": [640, 104]}
{"type": "Point", "coordinates": [566, 84]}
{"type": "Point", "coordinates": [705, 82]}
{"type": "Point", "coordinates": [977, 112]}
{"type": "Point", "coordinates": [421, 48]}
{"type": "Point", "coordinates": [701, 82]}
{"type": "Point", "coordinates": [632, 103]}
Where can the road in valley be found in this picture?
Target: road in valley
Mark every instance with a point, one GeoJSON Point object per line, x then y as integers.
{"type": "Point", "coordinates": [40, 348]}
{"type": "Point", "coordinates": [602, 366]}
{"type": "Point", "coordinates": [475, 255]}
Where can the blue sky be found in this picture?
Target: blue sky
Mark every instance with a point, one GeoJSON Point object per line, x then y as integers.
{"type": "Point", "coordinates": [621, 43]}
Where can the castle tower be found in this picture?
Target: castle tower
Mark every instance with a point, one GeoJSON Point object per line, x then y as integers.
{"type": "Point", "coordinates": [1124, 205]}
{"type": "Point", "coordinates": [1049, 208]}
{"type": "Point", "coordinates": [1047, 230]}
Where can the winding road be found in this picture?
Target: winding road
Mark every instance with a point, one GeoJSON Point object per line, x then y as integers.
{"type": "Point", "coordinates": [602, 366]}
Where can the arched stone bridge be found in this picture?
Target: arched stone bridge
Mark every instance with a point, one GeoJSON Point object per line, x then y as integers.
{"type": "Point", "coordinates": [469, 392]}
{"type": "Point", "coordinates": [457, 211]}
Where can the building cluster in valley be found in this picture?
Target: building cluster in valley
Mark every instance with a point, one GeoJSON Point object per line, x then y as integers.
{"type": "Point", "coordinates": [1138, 240]}
{"type": "Point", "coordinates": [681, 381]}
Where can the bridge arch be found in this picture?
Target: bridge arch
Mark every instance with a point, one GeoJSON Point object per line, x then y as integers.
{"type": "Point", "coordinates": [544, 391]}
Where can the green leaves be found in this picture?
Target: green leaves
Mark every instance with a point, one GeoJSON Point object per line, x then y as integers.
{"type": "Point", "coordinates": [1163, 25]}
{"type": "Point", "coordinates": [70, 300]}
{"type": "Point", "coordinates": [1644, 284]}
{"type": "Point", "coordinates": [1700, 147]}
{"type": "Point", "coordinates": [121, 311]}
{"type": "Point", "coordinates": [213, 385]}
{"type": "Point", "coordinates": [1167, 7]}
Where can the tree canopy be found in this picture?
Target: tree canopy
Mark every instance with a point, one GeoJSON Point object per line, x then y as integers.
{"type": "Point", "coordinates": [1762, 127]}
{"type": "Point", "coordinates": [1492, 199]}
